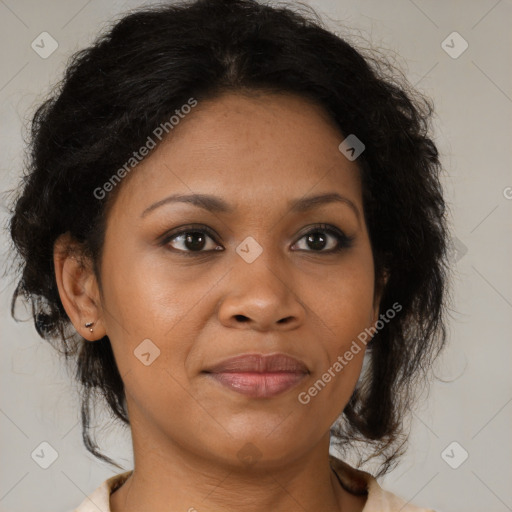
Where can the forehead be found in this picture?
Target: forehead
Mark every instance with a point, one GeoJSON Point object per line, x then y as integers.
{"type": "Point", "coordinates": [262, 149]}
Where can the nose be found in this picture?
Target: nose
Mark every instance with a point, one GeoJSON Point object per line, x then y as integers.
{"type": "Point", "coordinates": [261, 297]}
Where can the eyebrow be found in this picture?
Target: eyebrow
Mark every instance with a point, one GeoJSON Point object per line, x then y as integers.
{"type": "Point", "coordinates": [215, 204]}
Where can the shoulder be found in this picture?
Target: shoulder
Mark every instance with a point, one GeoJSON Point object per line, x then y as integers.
{"type": "Point", "coordinates": [99, 499]}
{"type": "Point", "coordinates": [360, 483]}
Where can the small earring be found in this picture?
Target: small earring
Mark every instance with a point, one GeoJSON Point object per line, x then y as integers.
{"type": "Point", "coordinates": [88, 324]}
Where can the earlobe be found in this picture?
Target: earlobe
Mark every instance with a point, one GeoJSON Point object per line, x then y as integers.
{"type": "Point", "coordinates": [78, 288]}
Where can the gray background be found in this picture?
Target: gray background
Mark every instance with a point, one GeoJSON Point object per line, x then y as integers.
{"type": "Point", "coordinates": [469, 404]}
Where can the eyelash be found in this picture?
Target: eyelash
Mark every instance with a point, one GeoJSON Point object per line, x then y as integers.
{"type": "Point", "coordinates": [344, 241]}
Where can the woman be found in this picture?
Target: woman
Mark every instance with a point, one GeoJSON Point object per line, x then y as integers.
{"type": "Point", "coordinates": [233, 222]}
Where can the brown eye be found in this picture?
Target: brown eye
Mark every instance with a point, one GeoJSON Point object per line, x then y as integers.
{"type": "Point", "coordinates": [192, 240]}
{"type": "Point", "coordinates": [322, 237]}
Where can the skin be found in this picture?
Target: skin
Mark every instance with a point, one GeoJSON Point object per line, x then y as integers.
{"type": "Point", "coordinates": [257, 152]}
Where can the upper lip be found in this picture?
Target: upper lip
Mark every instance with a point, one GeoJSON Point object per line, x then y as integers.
{"type": "Point", "coordinates": [259, 363]}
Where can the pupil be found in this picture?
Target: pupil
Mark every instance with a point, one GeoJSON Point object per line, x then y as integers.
{"type": "Point", "coordinates": [189, 240]}
{"type": "Point", "coordinates": [316, 240]}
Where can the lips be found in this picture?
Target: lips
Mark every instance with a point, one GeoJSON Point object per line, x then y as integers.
{"type": "Point", "coordinates": [259, 363]}
{"type": "Point", "coordinates": [258, 375]}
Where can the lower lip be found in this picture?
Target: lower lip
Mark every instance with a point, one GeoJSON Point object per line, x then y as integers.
{"type": "Point", "coordinates": [259, 385]}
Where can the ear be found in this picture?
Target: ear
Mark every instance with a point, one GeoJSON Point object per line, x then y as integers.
{"type": "Point", "coordinates": [379, 290]}
{"type": "Point", "coordinates": [78, 287]}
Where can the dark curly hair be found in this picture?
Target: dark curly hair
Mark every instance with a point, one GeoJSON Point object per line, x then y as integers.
{"type": "Point", "coordinates": [133, 78]}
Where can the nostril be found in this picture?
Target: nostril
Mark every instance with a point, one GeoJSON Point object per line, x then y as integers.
{"type": "Point", "coordinates": [241, 318]}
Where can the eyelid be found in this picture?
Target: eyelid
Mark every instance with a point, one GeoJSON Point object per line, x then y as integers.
{"type": "Point", "coordinates": [187, 228]}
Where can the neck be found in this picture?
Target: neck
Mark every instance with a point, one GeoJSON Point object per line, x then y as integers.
{"type": "Point", "coordinates": [174, 480]}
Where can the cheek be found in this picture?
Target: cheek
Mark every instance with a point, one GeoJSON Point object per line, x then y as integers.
{"type": "Point", "coordinates": [147, 298]}
{"type": "Point", "coordinates": [345, 319]}
{"type": "Point", "coordinates": [346, 313]}
{"type": "Point", "coordinates": [152, 344]}
{"type": "Point", "coordinates": [347, 304]}
{"type": "Point", "coordinates": [153, 317]}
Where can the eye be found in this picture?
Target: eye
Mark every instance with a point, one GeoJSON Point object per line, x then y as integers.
{"type": "Point", "coordinates": [323, 236]}
{"type": "Point", "coordinates": [192, 240]}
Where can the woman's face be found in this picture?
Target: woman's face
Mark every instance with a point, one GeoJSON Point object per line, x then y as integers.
{"type": "Point", "coordinates": [173, 307]}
